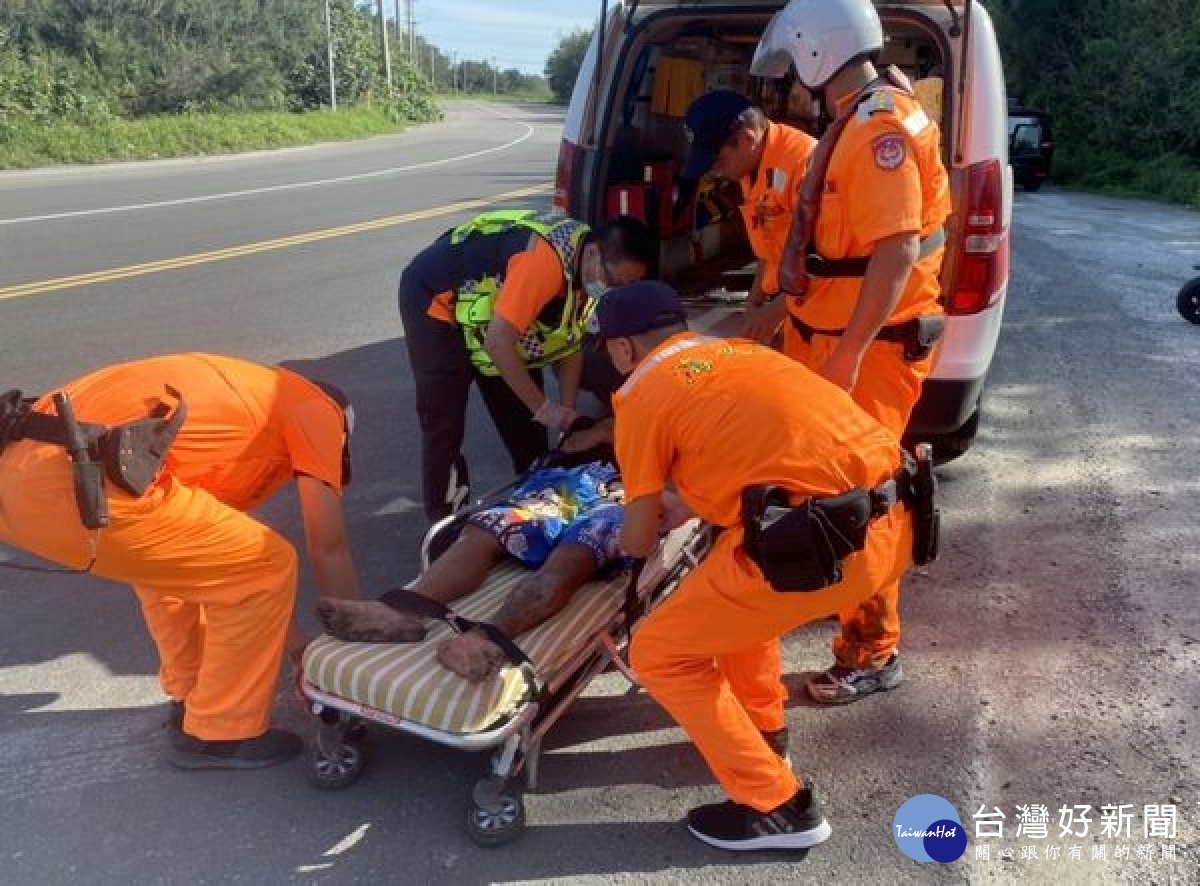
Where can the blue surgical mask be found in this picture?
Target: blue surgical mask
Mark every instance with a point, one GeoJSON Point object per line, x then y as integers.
{"type": "Point", "coordinates": [595, 289]}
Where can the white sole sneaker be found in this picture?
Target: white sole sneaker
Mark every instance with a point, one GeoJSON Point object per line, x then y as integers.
{"type": "Point", "coordinates": [799, 840]}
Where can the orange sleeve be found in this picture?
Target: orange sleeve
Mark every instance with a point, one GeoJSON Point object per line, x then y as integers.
{"type": "Point", "coordinates": [315, 436]}
{"type": "Point", "coordinates": [644, 450]}
{"type": "Point", "coordinates": [886, 187]}
{"type": "Point", "coordinates": [532, 280]}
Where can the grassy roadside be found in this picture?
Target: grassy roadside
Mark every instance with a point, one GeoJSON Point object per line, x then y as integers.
{"type": "Point", "coordinates": [1170, 177]}
{"type": "Point", "coordinates": [26, 143]}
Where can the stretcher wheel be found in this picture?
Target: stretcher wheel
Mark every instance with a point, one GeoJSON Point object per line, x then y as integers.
{"type": "Point", "coordinates": [337, 769]}
{"type": "Point", "coordinates": [495, 815]}
{"type": "Point", "coordinates": [1188, 301]}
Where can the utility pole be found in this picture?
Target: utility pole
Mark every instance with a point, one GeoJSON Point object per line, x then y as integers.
{"type": "Point", "coordinates": [412, 26]}
{"type": "Point", "coordinates": [454, 70]}
{"type": "Point", "coordinates": [329, 56]}
{"type": "Point", "coordinates": [383, 40]}
{"type": "Point", "coordinates": [495, 76]}
{"type": "Point", "coordinates": [433, 67]}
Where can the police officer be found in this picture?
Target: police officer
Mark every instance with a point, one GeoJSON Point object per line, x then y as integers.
{"type": "Point", "coordinates": [491, 302]}
{"type": "Point", "coordinates": [734, 140]}
{"type": "Point", "coordinates": [216, 586]}
{"type": "Point", "coordinates": [712, 419]}
{"type": "Point", "coordinates": [863, 261]}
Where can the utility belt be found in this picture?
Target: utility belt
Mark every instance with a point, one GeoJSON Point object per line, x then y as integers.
{"type": "Point", "coordinates": [802, 547]}
{"type": "Point", "coordinates": [918, 335]}
{"type": "Point", "coordinates": [817, 265]}
{"type": "Point", "coordinates": [130, 454]}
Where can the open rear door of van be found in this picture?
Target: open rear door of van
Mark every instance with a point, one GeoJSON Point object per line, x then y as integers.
{"type": "Point", "coordinates": [577, 153]}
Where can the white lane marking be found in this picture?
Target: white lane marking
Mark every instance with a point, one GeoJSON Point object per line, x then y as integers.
{"type": "Point", "coordinates": [293, 186]}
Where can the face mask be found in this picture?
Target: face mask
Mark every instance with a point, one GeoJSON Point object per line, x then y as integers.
{"type": "Point", "coordinates": [595, 289]}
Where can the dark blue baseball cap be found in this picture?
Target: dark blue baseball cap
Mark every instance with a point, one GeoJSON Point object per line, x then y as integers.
{"type": "Point", "coordinates": [636, 309]}
{"type": "Point", "coordinates": [710, 120]}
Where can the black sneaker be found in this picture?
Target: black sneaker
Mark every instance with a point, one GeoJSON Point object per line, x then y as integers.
{"type": "Point", "coordinates": [778, 740]}
{"type": "Point", "coordinates": [797, 824]}
{"type": "Point", "coordinates": [272, 747]}
{"type": "Point", "coordinates": [174, 725]}
{"type": "Point", "coordinates": [841, 685]}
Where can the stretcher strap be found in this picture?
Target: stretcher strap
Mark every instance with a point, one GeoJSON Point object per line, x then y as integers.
{"type": "Point", "coordinates": [404, 600]}
{"type": "Point", "coordinates": [633, 600]}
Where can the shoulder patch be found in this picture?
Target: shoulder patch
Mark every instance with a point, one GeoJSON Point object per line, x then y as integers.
{"type": "Point", "coordinates": [888, 150]}
{"type": "Point", "coordinates": [878, 103]}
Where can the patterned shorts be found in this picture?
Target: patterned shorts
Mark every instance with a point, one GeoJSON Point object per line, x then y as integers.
{"type": "Point", "coordinates": [530, 534]}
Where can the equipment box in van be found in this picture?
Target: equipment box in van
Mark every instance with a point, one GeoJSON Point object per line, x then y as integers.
{"type": "Point", "coordinates": [624, 142]}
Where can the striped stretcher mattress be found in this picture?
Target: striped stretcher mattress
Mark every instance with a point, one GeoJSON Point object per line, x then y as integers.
{"type": "Point", "coordinates": [406, 680]}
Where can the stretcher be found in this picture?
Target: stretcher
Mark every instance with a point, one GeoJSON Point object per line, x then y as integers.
{"type": "Point", "coordinates": [402, 685]}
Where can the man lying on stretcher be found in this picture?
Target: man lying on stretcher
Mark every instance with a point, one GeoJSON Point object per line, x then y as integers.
{"type": "Point", "coordinates": [562, 523]}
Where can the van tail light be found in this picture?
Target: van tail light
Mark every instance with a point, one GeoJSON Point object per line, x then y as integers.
{"type": "Point", "coordinates": [564, 175]}
{"type": "Point", "coordinates": [982, 265]}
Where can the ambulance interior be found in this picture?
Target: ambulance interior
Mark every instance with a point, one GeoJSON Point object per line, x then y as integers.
{"type": "Point", "coordinates": [704, 246]}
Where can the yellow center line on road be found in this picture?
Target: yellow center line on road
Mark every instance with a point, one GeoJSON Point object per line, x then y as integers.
{"type": "Point", "coordinates": [38, 287]}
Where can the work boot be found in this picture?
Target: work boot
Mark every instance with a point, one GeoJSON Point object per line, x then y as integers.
{"type": "Point", "coordinates": [842, 685]}
{"type": "Point", "coordinates": [796, 824]}
{"type": "Point", "coordinates": [272, 747]}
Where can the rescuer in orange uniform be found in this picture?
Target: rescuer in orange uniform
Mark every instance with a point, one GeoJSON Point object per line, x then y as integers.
{"type": "Point", "coordinates": [711, 418]}
{"type": "Point", "coordinates": [216, 586]}
{"type": "Point", "coordinates": [734, 140]}
{"type": "Point", "coordinates": [868, 316]}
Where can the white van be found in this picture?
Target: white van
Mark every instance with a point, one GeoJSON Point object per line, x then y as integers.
{"type": "Point", "coordinates": [624, 140]}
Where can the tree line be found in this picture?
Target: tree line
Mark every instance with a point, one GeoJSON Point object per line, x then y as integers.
{"type": "Point", "coordinates": [92, 59]}
{"type": "Point", "coordinates": [1122, 81]}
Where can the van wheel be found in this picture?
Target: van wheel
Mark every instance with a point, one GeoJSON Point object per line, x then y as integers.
{"type": "Point", "coordinates": [1188, 301]}
{"type": "Point", "coordinates": [1032, 185]}
{"type": "Point", "coordinates": [948, 447]}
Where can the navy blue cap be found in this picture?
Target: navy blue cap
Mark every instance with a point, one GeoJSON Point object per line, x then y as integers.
{"type": "Point", "coordinates": [709, 120]}
{"type": "Point", "coordinates": [636, 309]}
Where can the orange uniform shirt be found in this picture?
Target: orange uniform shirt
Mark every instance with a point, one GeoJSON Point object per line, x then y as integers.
{"type": "Point", "coordinates": [249, 428]}
{"type": "Point", "coordinates": [885, 178]}
{"type": "Point", "coordinates": [770, 197]}
{"type": "Point", "coordinates": [530, 281]}
{"type": "Point", "coordinates": [713, 416]}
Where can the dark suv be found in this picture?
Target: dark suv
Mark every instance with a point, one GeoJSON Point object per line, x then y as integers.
{"type": "Point", "coordinates": [1030, 146]}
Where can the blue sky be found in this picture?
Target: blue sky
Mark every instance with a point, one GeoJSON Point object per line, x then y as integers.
{"type": "Point", "coordinates": [516, 33]}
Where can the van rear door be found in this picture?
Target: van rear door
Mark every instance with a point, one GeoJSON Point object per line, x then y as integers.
{"type": "Point", "coordinates": [577, 152]}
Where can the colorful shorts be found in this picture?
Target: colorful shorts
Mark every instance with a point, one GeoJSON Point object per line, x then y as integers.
{"type": "Point", "coordinates": [558, 506]}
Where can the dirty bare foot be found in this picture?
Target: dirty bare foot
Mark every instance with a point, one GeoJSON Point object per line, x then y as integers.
{"type": "Point", "coordinates": [368, 621]}
{"type": "Point", "coordinates": [471, 655]}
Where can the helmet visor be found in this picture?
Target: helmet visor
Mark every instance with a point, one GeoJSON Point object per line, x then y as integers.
{"type": "Point", "coordinates": [772, 56]}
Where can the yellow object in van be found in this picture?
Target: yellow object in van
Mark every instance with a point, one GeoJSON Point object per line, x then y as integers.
{"type": "Point", "coordinates": [677, 82]}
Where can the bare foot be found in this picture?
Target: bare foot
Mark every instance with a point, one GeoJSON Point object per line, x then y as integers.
{"type": "Point", "coordinates": [471, 655]}
{"type": "Point", "coordinates": [368, 621]}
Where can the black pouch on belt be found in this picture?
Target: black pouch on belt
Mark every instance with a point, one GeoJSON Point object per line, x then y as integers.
{"type": "Point", "coordinates": [922, 334]}
{"type": "Point", "coordinates": [801, 547]}
{"type": "Point", "coordinates": [134, 452]}
{"type": "Point", "coordinates": [927, 519]}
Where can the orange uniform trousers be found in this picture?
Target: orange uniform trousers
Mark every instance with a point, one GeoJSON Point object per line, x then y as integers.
{"type": "Point", "coordinates": [887, 389]}
{"type": "Point", "coordinates": [710, 654]}
{"type": "Point", "coordinates": [216, 587]}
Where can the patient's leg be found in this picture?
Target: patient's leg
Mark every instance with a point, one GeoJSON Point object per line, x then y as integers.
{"type": "Point", "coordinates": [538, 596]}
{"type": "Point", "coordinates": [458, 572]}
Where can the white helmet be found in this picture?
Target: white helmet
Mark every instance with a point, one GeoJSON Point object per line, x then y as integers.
{"type": "Point", "coordinates": [819, 37]}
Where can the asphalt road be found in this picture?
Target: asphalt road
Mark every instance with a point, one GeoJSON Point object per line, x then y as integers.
{"type": "Point", "coordinates": [1052, 652]}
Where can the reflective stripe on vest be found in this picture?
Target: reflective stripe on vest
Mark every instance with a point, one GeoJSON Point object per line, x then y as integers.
{"type": "Point", "coordinates": [474, 306]}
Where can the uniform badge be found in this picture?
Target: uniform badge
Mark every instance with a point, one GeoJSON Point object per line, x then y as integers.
{"type": "Point", "coordinates": [889, 151]}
